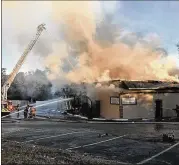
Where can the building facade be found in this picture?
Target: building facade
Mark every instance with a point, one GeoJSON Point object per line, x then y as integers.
{"type": "Point", "coordinates": [134, 100]}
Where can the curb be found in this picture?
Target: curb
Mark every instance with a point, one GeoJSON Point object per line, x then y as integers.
{"type": "Point", "coordinates": [169, 123]}
{"type": "Point", "coordinates": [122, 120]}
{"type": "Point", "coordinates": [10, 121]}
{"type": "Point", "coordinates": [63, 120]}
{"type": "Point", "coordinates": [112, 121]}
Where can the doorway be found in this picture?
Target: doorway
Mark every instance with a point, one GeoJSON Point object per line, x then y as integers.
{"type": "Point", "coordinates": [158, 109]}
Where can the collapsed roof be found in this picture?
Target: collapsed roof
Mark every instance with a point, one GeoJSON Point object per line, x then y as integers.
{"type": "Point", "coordinates": [149, 85]}
{"type": "Point", "coordinates": [143, 85]}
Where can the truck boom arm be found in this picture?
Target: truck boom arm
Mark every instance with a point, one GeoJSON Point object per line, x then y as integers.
{"type": "Point", "coordinates": [17, 67]}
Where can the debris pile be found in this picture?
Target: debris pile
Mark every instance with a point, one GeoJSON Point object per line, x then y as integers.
{"type": "Point", "coordinates": [102, 135]}
{"type": "Point", "coordinates": [169, 137]}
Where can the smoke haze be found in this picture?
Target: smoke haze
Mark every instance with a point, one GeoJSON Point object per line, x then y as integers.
{"type": "Point", "coordinates": [83, 44]}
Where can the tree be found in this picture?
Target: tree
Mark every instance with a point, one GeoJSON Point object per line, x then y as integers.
{"type": "Point", "coordinates": [32, 85]}
{"type": "Point", "coordinates": [38, 86]}
{"type": "Point", "coordinates": [58, 93]}
{"type": "Point", "coordinates": [17, 89]}
{"type": "Point", "coordinates": [3, 76]}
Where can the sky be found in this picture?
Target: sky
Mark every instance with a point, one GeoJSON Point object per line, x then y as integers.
{"type": "Point", "coordinates": [158, 19]}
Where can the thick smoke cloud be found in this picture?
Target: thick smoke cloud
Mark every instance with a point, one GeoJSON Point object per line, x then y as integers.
{"type": "Point", "coordinates": [82, 43]}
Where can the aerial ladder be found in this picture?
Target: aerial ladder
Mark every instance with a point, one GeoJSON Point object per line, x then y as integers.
{"type": "Point", "coordinates": [17, 67]}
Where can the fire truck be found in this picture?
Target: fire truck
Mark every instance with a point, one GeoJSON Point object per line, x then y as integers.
{"type": "Point", "coordinates": [6, 105]}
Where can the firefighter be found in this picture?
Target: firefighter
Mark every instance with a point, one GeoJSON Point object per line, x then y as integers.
{"type": "Point", "coordinates": [26, 111]}
{"type": "Point", "coordinates": [17, 109]}
{"type": "Point", "coordinates": [177, 110]}
{"type": "Point", "coordinates": [32, 112]}
{"type": "Point", "coordinates": [10, 106]}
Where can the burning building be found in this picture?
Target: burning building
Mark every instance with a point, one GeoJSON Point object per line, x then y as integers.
{"type": "Point", "coordinates": [136, 99]}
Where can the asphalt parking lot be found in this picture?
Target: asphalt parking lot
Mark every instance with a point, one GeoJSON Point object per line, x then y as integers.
{"type": "Point", "coordinates": [124, 143]}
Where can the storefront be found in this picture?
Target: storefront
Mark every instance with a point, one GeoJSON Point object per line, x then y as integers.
{"type": "Point", "coordinates": [154, 102]}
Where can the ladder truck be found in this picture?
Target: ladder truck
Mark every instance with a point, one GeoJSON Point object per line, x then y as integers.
{"type": "Point", "coordinates": [6, 105]}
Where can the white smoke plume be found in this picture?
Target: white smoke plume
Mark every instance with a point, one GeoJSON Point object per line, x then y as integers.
{"type": "Point", "coordinates": [79, 46]}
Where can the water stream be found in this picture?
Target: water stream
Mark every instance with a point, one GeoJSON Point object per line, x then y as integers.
{"type": "Point", "coordinates": [43, 107]}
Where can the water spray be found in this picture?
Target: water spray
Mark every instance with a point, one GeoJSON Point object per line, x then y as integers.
{"type": "Point", "coordinates": [68, 99]}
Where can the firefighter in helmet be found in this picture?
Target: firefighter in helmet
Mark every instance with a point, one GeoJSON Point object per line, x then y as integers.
{"type": "Point", "coordinates": [32, 112]}
{"type": "Point", "coordinates": [10, 106]}
{"type": "Point", "coordinates": [177, 110]}
{"type": "Point", "coordinates": [17, 109]}
{"type": "Point", "coordinates": [26, 111]}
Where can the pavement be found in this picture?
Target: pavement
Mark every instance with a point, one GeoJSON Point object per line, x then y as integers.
{"type": "Point", "coordinates": [128, 143]}
{"type": "Point", "coordinates": [81, 119]}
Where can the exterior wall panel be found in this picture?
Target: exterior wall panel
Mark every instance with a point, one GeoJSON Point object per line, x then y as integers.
{"type": "Point", "coordinates": [145, 107]}
{"type": "Point", "coordinates": [108, 111]}
{"type": "Point", "coordinates": [169, 102]}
